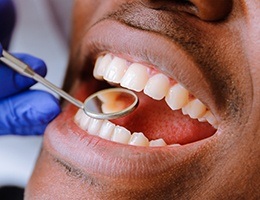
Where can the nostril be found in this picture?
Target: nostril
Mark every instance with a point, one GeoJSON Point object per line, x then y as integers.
{"type": "Point", "coordinates": [212, 10]}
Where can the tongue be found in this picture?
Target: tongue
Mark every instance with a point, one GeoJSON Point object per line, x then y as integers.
{"type": "Point", "coordinates": [156, 120]}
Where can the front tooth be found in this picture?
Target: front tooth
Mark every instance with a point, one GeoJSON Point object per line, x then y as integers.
{"type": "Point", "coordinates": [97, 69]}
{"type": "Point", "coordinates": [152, 89]}
{"type": "Point", "coordinates": [135, 77]}
{"type": "Point", "coordinates": [138, 139]}
{"type": "Point", "coordinates": [116, 70]}
{"type": "Point", "coordinates": [101, 66]}
{"type": "Point", "coordinates": [157, 143]}
{"type": "Point", "coordinates": [177, 97]}
{"type": "Point", "coordinates": [195, 109]}
{"type": "Point", "coordinates": [106, 130]}
{"type": "Point", "coordinates": [94, 126]}
{"type": "Point", "coordinates": [121, 135]}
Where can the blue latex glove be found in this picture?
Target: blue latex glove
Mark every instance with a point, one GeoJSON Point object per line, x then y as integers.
{"type": "Point", "coordinates": [23, 111]}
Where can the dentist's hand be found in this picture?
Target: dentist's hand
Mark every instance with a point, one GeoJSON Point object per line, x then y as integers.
{"type": "Point", "coordinates": [24, 111]}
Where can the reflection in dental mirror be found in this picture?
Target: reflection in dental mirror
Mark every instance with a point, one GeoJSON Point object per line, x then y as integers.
{"type": "Point", "coordinates": [110, 103]}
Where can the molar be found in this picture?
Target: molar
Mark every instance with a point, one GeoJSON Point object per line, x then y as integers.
{"type": "Point", "coordinates": [210, 118]}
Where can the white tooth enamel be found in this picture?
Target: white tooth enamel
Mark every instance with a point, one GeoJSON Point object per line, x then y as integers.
{"type": "Point", "coordinates": [116, 70]}
{"type": "Point", "coordinates": [211, 119]}
{"type": "Point", "coordinates": [106, 130]}
{"type": "Point", "coordinates": [157, 143]}
{"type": "Point", "coordinates": [97, 69]}
{"type": "Point", "coordinates": [135, 77]}
{"type": "Point", "coordinates": [157, 86]}
{"type": "Point", "coordinates": [184, 111]}
{"type": "Point", "coordinates": [202, 119]}
{"type": "Point", "coordinates": [195, 109]}
{"type": "Point", "coordinates": [101, 66]}
{"type": "Point", "coordinates": [177, 97]}
{"type": "Point", "coordinates": [121, 135]}
{"type": "Point", "coordinates": [82, 119]}
{"type": "Point", "coordinates": [138, 139]}
{"type": "Point", "coordinates": [174, 145]}
{"type": "Point", "coordinates": [94, 126]}
{"type": "Point", "coordinates": [78, 116]}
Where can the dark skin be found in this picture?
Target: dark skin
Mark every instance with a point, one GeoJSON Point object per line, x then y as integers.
{"type": "Point", "coordinates": [211, 47]}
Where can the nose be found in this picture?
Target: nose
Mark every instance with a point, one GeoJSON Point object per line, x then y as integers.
{"type": "Point", "coordinates": [206, 10]}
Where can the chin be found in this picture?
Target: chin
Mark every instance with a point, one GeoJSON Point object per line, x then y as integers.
{"type": "Point", "coordinates": [194, 134]}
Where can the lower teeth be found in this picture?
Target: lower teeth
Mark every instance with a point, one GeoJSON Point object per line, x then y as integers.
{"type": "Point", "coordinates": [109, 131]}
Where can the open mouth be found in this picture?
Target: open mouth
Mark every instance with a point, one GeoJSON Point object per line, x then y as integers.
{"type": "Point", "coordinates": [185, 118]}
{"type": "Point", "coordinates": [175, 118]}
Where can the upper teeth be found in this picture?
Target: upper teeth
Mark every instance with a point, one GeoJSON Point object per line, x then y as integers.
{"type": "Point", "coordinates": [138, 77]}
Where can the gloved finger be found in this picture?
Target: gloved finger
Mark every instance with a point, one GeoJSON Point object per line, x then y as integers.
{"type": "Point", "coordinates": [7, 21]}
{"type": "Point", "coordinates": [11, 82]}
{"type": "Point", "coordinates": [27, 113]}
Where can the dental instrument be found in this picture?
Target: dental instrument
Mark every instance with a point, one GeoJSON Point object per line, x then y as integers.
{"type": "Point", "coordinates": [105, 104]}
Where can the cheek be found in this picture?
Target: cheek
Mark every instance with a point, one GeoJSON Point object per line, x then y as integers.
{"type": "Point", "coordinates": [50, 180]}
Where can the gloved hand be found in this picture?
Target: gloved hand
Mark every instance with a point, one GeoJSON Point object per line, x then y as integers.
{"type": "Point", "coordinates": [24, 111]}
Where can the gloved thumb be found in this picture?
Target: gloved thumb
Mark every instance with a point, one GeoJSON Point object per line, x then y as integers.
{"type": "Point", "coordinates": [27, 113]}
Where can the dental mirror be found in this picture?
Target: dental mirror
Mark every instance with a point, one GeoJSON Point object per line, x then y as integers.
{"type": "Point", "coordinates": [110, 103]}
{"type": "Point", "coordinates": [105, 104]}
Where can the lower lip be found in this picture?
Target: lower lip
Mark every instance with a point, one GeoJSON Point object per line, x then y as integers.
{"type": "Point", "coordinates": [66, 141]}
